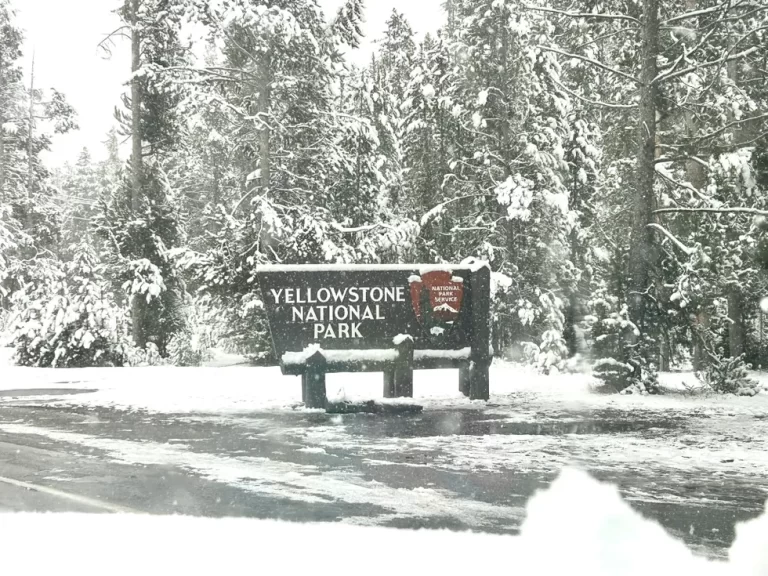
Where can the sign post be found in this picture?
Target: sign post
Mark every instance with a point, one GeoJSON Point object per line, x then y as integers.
{"type": "Point", "coordinates": [387, 318]}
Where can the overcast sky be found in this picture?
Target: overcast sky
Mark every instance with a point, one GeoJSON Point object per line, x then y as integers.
{"type": "Point", "coordinates": [64, 35]}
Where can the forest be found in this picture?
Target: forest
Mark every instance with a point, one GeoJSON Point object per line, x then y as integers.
{"type": "Point", "coordinates": [606, 157]}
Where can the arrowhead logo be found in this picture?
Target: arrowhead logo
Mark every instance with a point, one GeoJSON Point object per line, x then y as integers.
{"type": "Point", "coordinates": [436, 298]}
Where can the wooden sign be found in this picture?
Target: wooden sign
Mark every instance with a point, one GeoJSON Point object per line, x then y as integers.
{"type": "Point", "coordinates": [372, 317]}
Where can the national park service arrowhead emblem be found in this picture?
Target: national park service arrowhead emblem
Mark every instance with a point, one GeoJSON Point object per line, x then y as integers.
{"type": "Point", "coordinates": [436, 297]}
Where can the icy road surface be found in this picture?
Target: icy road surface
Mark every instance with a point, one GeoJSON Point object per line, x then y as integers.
{"type": "Point", "coordinates": [231, 441]}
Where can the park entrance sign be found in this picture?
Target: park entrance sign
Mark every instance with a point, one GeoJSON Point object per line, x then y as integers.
{"type": "Point", "coordinates": [387, 318]}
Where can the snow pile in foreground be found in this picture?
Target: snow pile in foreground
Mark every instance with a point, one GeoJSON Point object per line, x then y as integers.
{"type": "Point", "coordinates": [577, 526]}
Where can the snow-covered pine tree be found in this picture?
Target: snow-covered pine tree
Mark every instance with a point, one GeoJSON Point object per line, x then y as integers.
{"type": "Point", "coordinates": [78, 192]}
{"type": "Point", "coordinates": [506, 197]}
{"type": "Point", "coordinates": [678, 90]}
{"type": "Point", "coordinates": [431, 127]}
{"type": "Point", "coordinates": [304, 169]}
{"type": "Point", "coordinates": [66, 316]}
{"type": "Point", "coordinates": [29, 216]}
{"type": "Point", "coordinates": [142, 222]}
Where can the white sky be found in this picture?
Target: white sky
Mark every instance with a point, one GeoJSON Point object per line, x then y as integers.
{"type": "Point", "coordinates": [64, 35]}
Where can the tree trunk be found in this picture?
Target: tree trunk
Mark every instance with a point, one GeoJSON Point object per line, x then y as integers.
{"type": "Point", "coordinates": [699, 329]}
{"type": "Point", "coordinates": [264, 151]}
{"type": "Point", "coordinates": [736, 329]}
{"type": "Point", "coordinates": [641, 246]}
{"type": "Point", "coordinates": [665, 353]}
{"type": "Point", "coordinates": [30, 135]}
{"type": "Point", "coordinates": [736, 322]}
{"type": "Point", "coordinates": [2, 133]}
{"type": "Point", "coordinates": [137, 303]}
{"type": "Point", "coordinates": [136, 96]}
{"type": "Point", "coordinates": [264, 135]}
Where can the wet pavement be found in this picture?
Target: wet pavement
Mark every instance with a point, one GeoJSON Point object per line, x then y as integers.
{"type": "Point", "coordinates": [459, 469]}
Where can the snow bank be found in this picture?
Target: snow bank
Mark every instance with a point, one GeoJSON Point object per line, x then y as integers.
{"type": "Point", "coordinates": [749, 553]}
{"type": "Point", "coordinates": [591, 530]}
{"type": "Point", "coordinates": [243, 389]}
{"type": "Point", "coordinates": [577, 526]}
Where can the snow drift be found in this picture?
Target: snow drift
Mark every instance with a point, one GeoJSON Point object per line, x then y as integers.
{"type": "Point", "coordinates": [577, 526]}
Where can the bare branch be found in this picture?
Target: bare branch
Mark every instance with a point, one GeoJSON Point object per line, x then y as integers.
{"type": "Point", "coordinates": [725, 6]}
{"type": "Point", "coordinates": [108, 41]}
{"type": "Point", "coordinates": [684, 185]}
{"type": "Point", "coordinates": [345, 230]}
{"type": "Point", "coordinates": [596, 102]}
{"type": "Point", "coordinates": [731, 125]}
{"type": "Point", "coordinates": [749, 211]}
{"type": "Point", "coordinates": [584, 14]}
{"type": "Point", "coordinates": [682, 247]}
{"type": "Point", "coordinates": [685, 55]}
{"type": "Point", "coordinates": [593, 62]}
{"type": "Point", "coordinates": [683, 72]}
{"type": "Point", "coordinates": [730, 50]}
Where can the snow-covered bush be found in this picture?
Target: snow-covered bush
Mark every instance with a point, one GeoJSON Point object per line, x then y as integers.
{"type": "Point", "coordinates": [64, 317]}
{"type": "Point", "coordinates": [148, 356]}
{"type": "Point", "coordinates": [616, 343]}
{"type": "Point", "coordinates": [550, 354]}
{"type": "Point", "coordinates": [729, 376]}
{"type": "Point", "coordinates": [193, 345]}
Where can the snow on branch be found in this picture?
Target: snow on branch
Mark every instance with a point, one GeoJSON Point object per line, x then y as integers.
{"type": "Point", "coordinates": [661, 171]}
{"type": "Point", "coordinates": [726, 6]}
{"type": "Point", "coordinates": [695, 67]}
{"type": "Point", "coordinates": [750, 211]}
{"type": "Point", "coordinates": [345, 230]}
{"type": "Point", "coordinates": [595, 102]}
{"type": "Point", "coordinates": [438, 209]}
{"type": "Point", "coordinates": [731, 125]}
{"type": "Point", "coordinates": [682, 247]}
{"type": "Point", "coordinates": [583, 14]}
{"type": "Point", "coordinates": [593, 62]}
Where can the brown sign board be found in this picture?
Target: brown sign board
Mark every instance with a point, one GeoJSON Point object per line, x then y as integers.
{"type": "Point", "coordinates": [360, 317]}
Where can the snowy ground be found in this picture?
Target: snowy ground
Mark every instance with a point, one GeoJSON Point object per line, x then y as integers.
{"type": "Point", "coordinates": [696, 464]}
{"type": "Point", "coordinates": [612, 540]}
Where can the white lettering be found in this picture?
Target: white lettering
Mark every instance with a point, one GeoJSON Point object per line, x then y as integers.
{"type": "Point", "coordinates": [401, 293]}
{"type": "Point", "coordinates": [343, 330]}
{"type": "Point", "coordinates": [329, 332]}
{"type": "Point", "coordinates": [364, 290]}
{"type": "Point", "coordinates": [354, 296]}
{"type": "Point", "coordinates": [354, 311]}
{"type": "Point", "coordinates": [390, 293]}
{"type": "Point", "coordinates": [276, 295]}
{"type": "Point", "coordinates": [377, 294]}
{"type": "Point", "coordinates": [311, 315]}
{"type": "Point", "coordinates": [342, 313]}
{"type": "Point", "coordinates": [356, 331]}
{"type": "Point", "coordinates": [378, 313]}
{"type": "Point", "coordinates": [367, 314]}
{"type": "Point", "coordinates": [298, 313]}
{"type": "Point", "coordinates": [323, 295]}
{"type": "Point", "coordinates": [339, 295]}
{"type": "Point", "coordinates": [289, 296]}
{"type": "Point", "coordinates": [318, 329]}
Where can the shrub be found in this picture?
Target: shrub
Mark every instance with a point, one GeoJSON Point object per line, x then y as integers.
{"type": "Point", "coordinates": [64, 317]}
{"type": "Point", "coordinates": [728, 376]}
{"type": "Point", "coordinates": [193, 345]}
{"type": "Point", "coordinates": [617, 345]}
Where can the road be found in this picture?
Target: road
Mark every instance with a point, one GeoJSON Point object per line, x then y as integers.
{"type": "Point", "coordinates": [457, 469]}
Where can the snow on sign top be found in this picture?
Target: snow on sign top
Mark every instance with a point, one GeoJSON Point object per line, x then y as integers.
{"type": "Point", "coordinates": [422, 268]}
